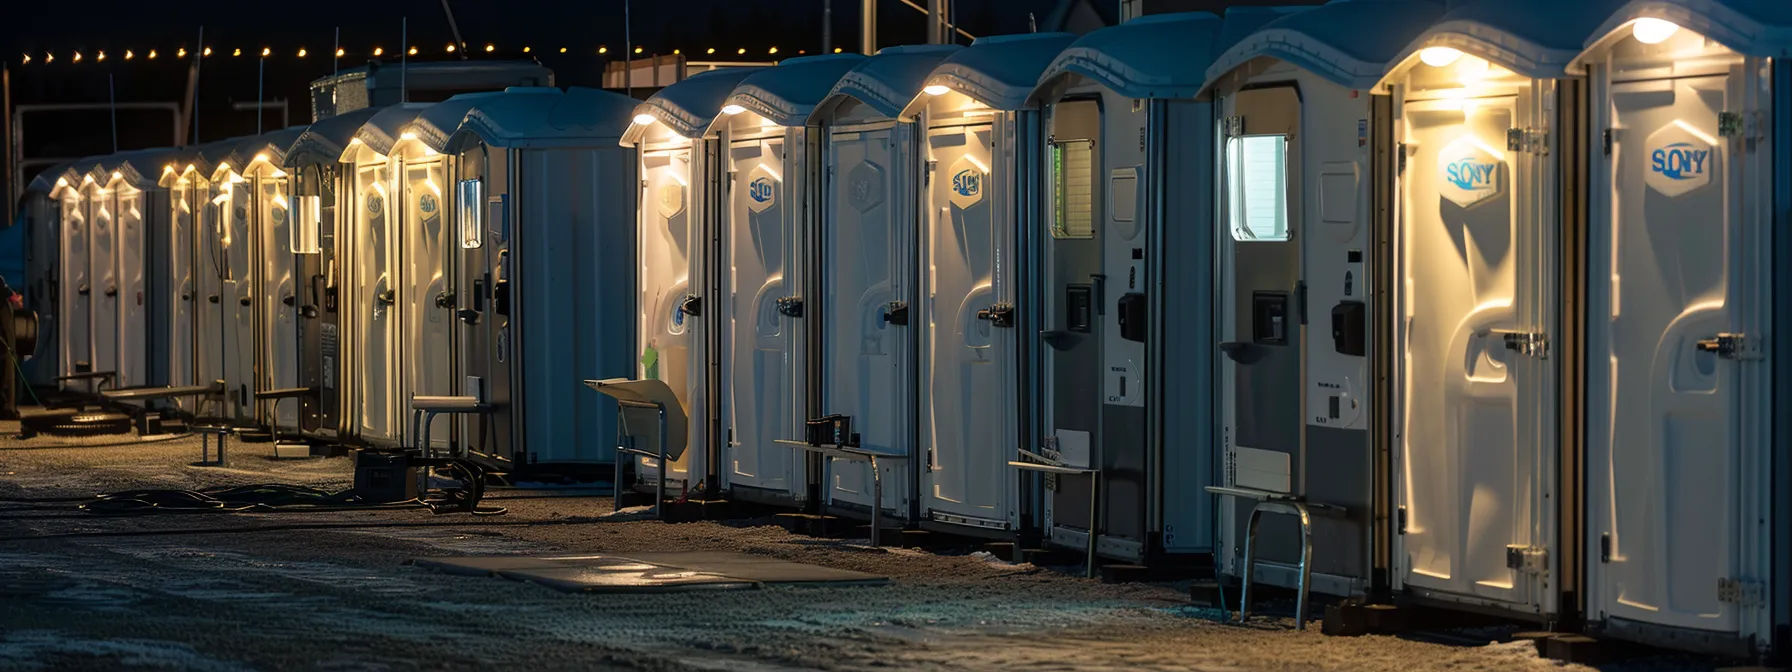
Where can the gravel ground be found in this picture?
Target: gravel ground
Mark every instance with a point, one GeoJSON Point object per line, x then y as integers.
{"type": "Point", "coordinates": [332, 591]}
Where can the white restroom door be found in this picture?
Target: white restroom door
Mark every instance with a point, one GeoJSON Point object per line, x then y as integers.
{"type": "Point", "coordinates": [375, 300]}
{"type": "Point", "coordinates": [279, 298]}
{"type": "Point", "coordinates": [1664, 468]}
{"type": "Point", "coordinates": [131, 330]}
{"type": "Point", "coordinates": [1475, 433]}
{"type": "Point", "coordinates": [182, 369]}
{"type": "Point", "coordinates": [865, 257]}
{"type": "Point", "coordinates": [759, 348]}
{"type": "Point", "coordinates": [968, 359]}
{"type": "Point", "coordinates": [667, 334]}
{"type": "Point", "coordinates": [240, 351]}
{"type": "Point", "coordinates": [77, 291]}
{"type": "Point", "coordinates": [429, 317]}
{"type": "Point", "coordinates": [103, 236]}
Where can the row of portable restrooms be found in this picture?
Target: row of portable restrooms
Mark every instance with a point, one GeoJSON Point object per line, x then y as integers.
{"type": "Point", "coordinates": [314, 279]}
{"type": "Point", "coordinates": [1481, 292]}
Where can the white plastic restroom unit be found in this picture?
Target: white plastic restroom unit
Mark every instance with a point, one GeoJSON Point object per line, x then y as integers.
{"type": "Point", "coordinates": [42, 289]}
{"type": "Point", "coordinates": [273, 288]}
{"type": "Point", "coordinates": [321, 201]}
{"type": "Point", "coordinates": [1122, 299]}
{"type": "Point", "coordinates": [679, 195]}
{"type": "Point", "coordinates": [767, 224]}
{"type": "Point", "coordinates": [1687, 530]}
{"type": "Point", "coordinates": [1488, 136]}
{"type": "Point", "coordinates": [196, 268]}
{"type": "Point", "coordinates": [139, 294]}
{"type": "Point", "coordinates": [379, 296]}
{"type": "Point", "coordinates": [60, 208]}
{"type": "Point", "coordinates": [982, 147]}
{"type": "Point", "coordinates": [867, 278]}
{"type": "Point", "coordinates": [1302, 185]}
{"type": "Point", "coordinates": [543, 212]}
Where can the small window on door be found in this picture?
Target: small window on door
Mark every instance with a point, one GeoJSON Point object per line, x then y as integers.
{"type": "Point", "coordinates": [1073, 189]}
{"type": "Point", "coordinates": [471, 206]}
{"type": "Point", "coordinates": [1257, 187]}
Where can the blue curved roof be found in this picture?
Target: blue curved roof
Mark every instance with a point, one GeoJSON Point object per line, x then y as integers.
{"type": "Point", "coordinates": [786, 95]}
{"type": "Point", "coordinates": [385, 128]}
{"type": "Point", "coordinates": [532, 117]}
{"type": "Point", "coordinates": [1159, 55]}
{"type": "Point", "coordinates": [1000, 71]}
{"type": "Point", "coordinates": [1507, 33]}
{"type": "Point", "coordinates": [889, 80]}
{"type": "Point", "coordinates": [435, 127]}
{"type": "Point", "coordinates": [1761, 28]}
{"type": "Point", "coordinates": [690, 106]}
{"type": "Point", "coordinates": [1349, 42]}
{"type": "Point", "coordinates": [143, 168]}
{"type": "Point", "coordinates": [325, 141]}
{"type": "Point", "coordinates": [205, 158]}
{"type": "Point", "coordinates": [45, 182]}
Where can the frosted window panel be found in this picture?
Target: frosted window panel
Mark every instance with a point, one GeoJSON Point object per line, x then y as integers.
{"type": "Point", "coordinates": [1073, 189]}
{"type": "Point", "coordinates": [472, 211]}
{"type": "Point", "coordinates": [1257, 187]}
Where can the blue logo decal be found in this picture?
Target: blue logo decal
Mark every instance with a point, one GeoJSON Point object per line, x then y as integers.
{"type": "Point", "coordinates": [760, 189]}
{"type": "Point", "coordinates": [967, 182]}
{"type": "Point", "coordinates": [1679, 161]}
{"type": "Point", "coordinates": [427, 204]}
{"type": "Point", "coordinates": [1471, 175]}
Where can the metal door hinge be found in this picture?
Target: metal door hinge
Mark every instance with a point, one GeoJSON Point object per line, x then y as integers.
{"type": "Point", "coordinates": [927, 179]}
{"type": "Point", "coordinates": [1745, 125]}
{"type": "Point", "coordinates": [1400, 159]}
{"type": "Point", "coordinates": [1232, 126]}
{"type": "Point", "coordinates": [1531, 140]}
{"type": "Point", "coordinates": [1605, 547]}
{"type": "Point", "coordinates": [1607, 138]}
{"type": "Point", "coordinates": [791, 306]}
{"type": "Point", "coordinates": [1739, 592]}
{"type": "Point", "coordinates": [999, 315]}
{"type": "Point", "coordinates": [1732, 346]}
{"type": "Point", "coordinates": [1528, 343]}
{"type": "Point", "coordinates": [1400, 520]}
{"type": "Point", "coordinates": [929, 459]}
{"type": "Point", "coordinates": [1527, 559]}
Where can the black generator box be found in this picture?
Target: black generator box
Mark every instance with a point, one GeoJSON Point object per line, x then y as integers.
{"type": "Point", "coordinates": [384, 477]}
{"type": "Point", "coordinates": [832, 430]}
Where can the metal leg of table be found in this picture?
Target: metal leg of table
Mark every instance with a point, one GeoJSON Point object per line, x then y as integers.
{"type": "Point", "coordinates": [1300, 511]}
{"type": "Point", "coordinates": [877, 502]}
{"type": "Point", "coordinates": [1094, 523]}
{"type": "Point", "coordinates": [617, 485]}
{"type": "Point", "coordinates": [659, 497]}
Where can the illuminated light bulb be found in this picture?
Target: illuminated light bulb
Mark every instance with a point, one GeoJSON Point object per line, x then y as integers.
{"type": "Point", "coordinates": [100, 57]}
{"type": "Point", "coordinates": [27, 58]}
{"type": "Point", "coordinates": [152, 54]}
{"type": "Point", "coordinates": [266, 52]}
{"type": "Point", "coordinates": [407, 135]}
{"type": "Point", "coordinates": [711, 50]}
{"type": "Point", "coordinates": [741, 51]}
{"type": "Point", "coordinates": [116, 175]}
{"type": "Point", "coordinates": [128, 55]}
{"type": "Point", "coordinates": [836, 50]}
{"type": "Point", "coordinates": [377, 51]}
{"type": "Point", "coordinates": [1439, 57]}
{"type": "Point", "coordinates": [207, 52]}
{"type": "Point", "coordinates": [676, 52]}
{"type": "Point", "coordinates": [563, 50]}
{"type": "Point", "coordinates": [935, 89]}
{"type": "Point", "coordinates": [525, 50]}
{"type": "Point", "coordinates": [637, 50]}
{"type": "Point", "coordinates": [413, 51]}
{"type": "Point", "coordinates": [732, 109]}
{"type": "Point", "coordinates": [773, 50]}
{"type": "Point", "coordinates": [302, 52]}
{"type": "Point", "coordinates": [1653, 31]}
{"type": "Point", "coordinates": [600, 50]}
{"type": "Point", "coordinates": [236, 52]}
{"type": "Point", "coordinates": [450, 48]}
{"type": "Point", "coordinates": [77, 57]}
{"type": "Point", "coordinates": [643, 119]}
{"type": "Point", "coordinates": [490, 48]}
{"type": "Point", "coordinates": [340, 52]}
{"type": "Point", "coordinates": [182, 52]}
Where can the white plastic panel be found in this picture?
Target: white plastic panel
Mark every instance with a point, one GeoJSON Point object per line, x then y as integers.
{"type": "Point", "coordinates": [1471, 479]}
{"type": "Point", "coordinates": [240, 347]}
{"type": "Point", "coordinates": [761, 397]}
{"type": "Point", "coordinates": [374, 311]}
{"type": "Point", "coordinates": [1663, 455]}
{"type": "Point", "coordinates": [668, 338]}
{"type": "Point", "coordinates": [428, 355]}
{"type": "Point", "coordinates": [102, 235]}
{"type": "Point", "coordinates": [184, 298]}
{"type": "Point", "coordinates": [866, 267]}
{"type": "Point", "coordinates": [77, 345]}
{"type": "Point", "coordinates": [967, 375]}
{"type": "Point", "coordinates": [208, 301]}
{"type": "Point", "coordinates": [132, 332]}
{"type": "Point", "coordinates": [280, 356]}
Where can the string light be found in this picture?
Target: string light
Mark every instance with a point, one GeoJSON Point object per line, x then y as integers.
{"type": "Point", "coordinates": [525, 50]}
{"type": "Point", "coordinates": [100, 57]}
{"type": "Point", "coordinates": [182, 52]}
{"type": "Point", "coordinates": [450, 48]}
{"type": "Point", "coordinates": [266, 52]}
{"type": "Point", "coordinates": [379, 51]}
{"type": "Point", "coordinates": [773, 50]}
{"type": "Point", "coordinates": [563, 50]}
{"type": "Point", "coordinates": [600, 50]}
{"type": "Point", "coordinates": [27, 58]}
{"type": "Point", "coordinates": [236, 52]}
{"type": "Point", "coordinates": [676, 52]}
{"type": "Point", "coordinates": [302, 52]}
{"type": "Point", "coordinates": [340, 52]}
{"type": "Point", "coordinates": [207, 52]}
{"type": "Point", "coordinates": [152, 54]}
{"type": "Point", "coordinates": [128, 55]}
{"type": "Point", "coordinates": [413, 51]}
{"type": "Point", "coordinates": [491, 48]}
{"type": "Point", "coordinates": [77, 57]}
{"type": "Point", "coordinates": [49, 57]}
{"type": "Point", "coordinates": [742, 51]}
{"type": "Point", "coordinates": [637, 50]}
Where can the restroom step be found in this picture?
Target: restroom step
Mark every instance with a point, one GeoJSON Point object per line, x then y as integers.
{"type": "Point", "coordinates": [1352, 618]}
{"type": "Point", "coordinates": [1579, 649]}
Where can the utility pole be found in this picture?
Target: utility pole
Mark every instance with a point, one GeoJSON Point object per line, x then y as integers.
{"type": "Point", "coordinates": [460, 45]}
{"type": "Point", "coordinates": [827, 27]}
{"type": "Point", "coordinates": [628, 51]}
{"type": "Point", "coordinates": [868, 27]}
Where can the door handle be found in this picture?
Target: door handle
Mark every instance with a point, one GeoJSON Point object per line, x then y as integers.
{"type": "Point", "coordinates": [445, 300]}
{"type": "Point", "coordinates": [244, 301]}
{"type": "Point", "coordinates": [896, 312]}
{"type": "Point", "coordinates": [999, 315]}
{"type": "Point", "coordinates": [1730, 346]}
{"type": "Point", "coordinates": [387, 297]}
{"type": "Point", "coordinates": [288, 299]}
{"type": "Point", "coordinates": [111, 291]}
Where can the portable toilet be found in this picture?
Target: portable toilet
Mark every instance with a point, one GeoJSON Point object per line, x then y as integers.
{"type": "Point", "coordinates": [544, 207]}
{"type": "Point", "coordinates": [1488, 137]}
{"type": "Point", "coordinates": [866, 275]}
{"type": "Point", "coordinates": [982, 147]}
{"type": "Point", "coordinates": [377, 280]}
{"type": "Point", "coordinates": [133, 185]}
{"type": "Point", "coordinates": [1687, 526]}
{"type": "Point", "coordinates": [234, 198]}
{"type": "Point", "coordinates": [273, 288]}
{"type": "Point", "coordinates": [196, 276]}
{"type": "Point", "coordinates": [1112, 261]}
{"type": "Point", "coordinates": [767, 223]}
{"type": "Point", "coordinates": [680, 194]}
{"type": "Point", "coordinates": [42, 288]}
{"type": "Point", "coordinates": [75, 287]}
{"type": "Point", "coordinates": [323, 196]}
{"type": "Point", "coordinates": [1302, 196]}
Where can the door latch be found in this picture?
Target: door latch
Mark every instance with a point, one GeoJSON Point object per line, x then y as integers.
{"type": "Point", "coordinates": [896, 313]}
{"type": "Point", "coordinates": [1534, 141]}
{"type": "Point", "coordinates": [1527, 343]}
{"type": "Point", "coordinates": [1739, 591]}
{"type": "Point", "coordinates": [999, 315]}
{"type": "Point", "coordinates": [1527, 559]}
{"type": "Point", "coordinates": [692, 305]}
{"type": "Point", "coordinates": [445, 299]}
{"type": "Point", "coordinates": [1731, 346]}
{"type": "Point", "coordinates": [387, 297]}
{"type": "Point", "coordinates": [790, 306]}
